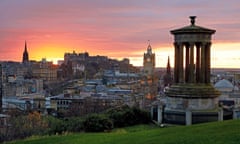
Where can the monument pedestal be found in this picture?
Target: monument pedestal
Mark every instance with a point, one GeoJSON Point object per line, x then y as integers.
{"type": "Point", "coordinates": [191, 103]}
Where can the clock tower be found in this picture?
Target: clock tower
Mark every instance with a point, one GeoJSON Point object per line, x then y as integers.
{"type": "Point", "coordinates": [149, 82]}
{"type": "Point", "coordinates": [149, 62]}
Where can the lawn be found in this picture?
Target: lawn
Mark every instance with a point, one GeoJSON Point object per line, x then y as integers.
{"type": "Point", "coordinates": [226, 132]}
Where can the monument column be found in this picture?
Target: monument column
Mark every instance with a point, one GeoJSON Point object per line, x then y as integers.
{"type": "Point", "coordinates": [181, 72]}
{"type": "Point", "coordinates": [160, 116]}
{"type": "Point", "coordinates": [188, 117]}
{"type": "Point", "coordinates": [208, 53]}
{"type": "Point", "coordinates": [191, 62]}
{"type": "Point", "coordinates": [203, 63]}
{"type": "Point", "coordinates": [198, 63]}
{"type": "Point", "coordinates": [176, 73]}
{"type": "Point", "coordinates": [187, 64]}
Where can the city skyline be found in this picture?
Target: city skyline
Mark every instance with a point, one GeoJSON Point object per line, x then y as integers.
{"type": "Point", "coordinates": [117, 29]}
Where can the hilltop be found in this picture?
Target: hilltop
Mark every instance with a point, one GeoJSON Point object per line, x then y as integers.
{"type": "Point", "coordinates": [207, 133]}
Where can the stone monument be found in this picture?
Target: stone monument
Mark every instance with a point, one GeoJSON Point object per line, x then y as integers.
{"type": "Point", "coordinates": [192, 98]}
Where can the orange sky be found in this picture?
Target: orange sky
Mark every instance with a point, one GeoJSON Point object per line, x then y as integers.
{"type": "Point", "coordinates": [117, 29]}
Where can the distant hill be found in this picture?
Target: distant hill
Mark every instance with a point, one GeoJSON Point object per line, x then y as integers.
{"type": "Point", "coordinates": [226, 132]}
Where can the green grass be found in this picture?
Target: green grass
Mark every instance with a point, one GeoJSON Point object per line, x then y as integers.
{"type": "Point", "coordinates": [226, 132]}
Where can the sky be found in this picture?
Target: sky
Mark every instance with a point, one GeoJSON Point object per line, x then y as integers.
{"type": "Point", "coordinates": [115, 28]}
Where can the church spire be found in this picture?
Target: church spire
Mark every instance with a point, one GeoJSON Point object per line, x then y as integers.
{"type": "Point", "coordinates": [25, 50]}
{"type": "Point", "coordinates": [167, 79]}
{"type": "Point", "coordinates": [168, 66]}
{"type": "Point", "coordinates": [25, 54]}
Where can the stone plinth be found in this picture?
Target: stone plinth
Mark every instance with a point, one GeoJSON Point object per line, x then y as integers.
{"type": "Point", "coordinates": [192, 90]}
{"type": "Point", "coordinates": [199, 100]}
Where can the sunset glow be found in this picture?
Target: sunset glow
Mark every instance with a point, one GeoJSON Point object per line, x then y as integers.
{"type": "Point", "coordinates": [117, 29]}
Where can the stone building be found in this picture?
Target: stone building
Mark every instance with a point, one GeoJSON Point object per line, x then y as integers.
{"type": "Point", "coordinates": [1, 91]}
{"type": "Point", "coordinates": [149, 82]}
{"type": "Point", "coordinates": [229, 99]}
{"type": "Point", "coordinates": [83, 104]}
{"type": "Point", "coordinates": [44, 70]}
{"type": "Point", "coordinates": [149, 62]}
{"type": "Point", "coordinates": [22, 87]}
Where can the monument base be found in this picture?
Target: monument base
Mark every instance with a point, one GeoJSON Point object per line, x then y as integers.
{"type": "Point", "coordinates": [191, 117]}
{"type": "Point", "coordinates": [191, 104]}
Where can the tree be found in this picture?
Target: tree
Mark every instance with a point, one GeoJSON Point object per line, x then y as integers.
{"type": "Point", "coordinates": [97, 123]}
{"type": "Point", "coordinates": [127, 116]}
{"type": "Point", "coordinates": [27, 125]}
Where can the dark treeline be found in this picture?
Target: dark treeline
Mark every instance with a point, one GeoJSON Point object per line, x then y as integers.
{"type": "Point", "coordinates": [34, 123]}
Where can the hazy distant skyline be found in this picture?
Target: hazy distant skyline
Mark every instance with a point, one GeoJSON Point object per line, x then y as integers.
{"type": "Point", "coordinates": [117, 29]}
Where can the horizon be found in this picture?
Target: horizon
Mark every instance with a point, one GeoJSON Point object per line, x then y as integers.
{"type": "Point", "coordinates": [140, 59]}
{"type": "Point", "coordinates": [115, 29]}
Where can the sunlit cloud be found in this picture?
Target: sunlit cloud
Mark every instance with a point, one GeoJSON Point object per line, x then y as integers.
{"type": "Point", "coordinates": [117, 29]}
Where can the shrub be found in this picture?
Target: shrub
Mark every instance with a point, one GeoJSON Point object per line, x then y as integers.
{"type": "Point", "coordinates": [127, 116]}
{"type": "Point", "coordinates": [56, 126]}
{"type": "Point", "coordinates": [141, 116]}
{"type": "Point", "coordinates": [26, 125]}
{"type": "Point", "coordinates": [97, 123]}
{"type": "Point", "coordinates": [74, 124]}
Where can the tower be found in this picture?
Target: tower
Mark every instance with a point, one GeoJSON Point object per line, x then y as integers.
{"type": "Point", "coordinates": [25, 54]}
{"type": "Point", "coordinates": [149, 62]}
{"type": "Point", "coordinates": [149, 78]}
{"type": "Point", "coordinates": [192, 99]}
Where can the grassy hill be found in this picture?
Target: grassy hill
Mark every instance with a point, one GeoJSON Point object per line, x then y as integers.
{"type": "Point", "coordinates": [226, 132]}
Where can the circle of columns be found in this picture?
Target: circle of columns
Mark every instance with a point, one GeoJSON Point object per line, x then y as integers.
{"type": "Point", "coordinates": [197, 62]}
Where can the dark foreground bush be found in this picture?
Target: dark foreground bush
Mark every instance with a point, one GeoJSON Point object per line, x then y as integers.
{"type": "Point", "coordinates": [58, 126]}
{"type": "Point", "coordinates": [55, 125]}
{"type": "Point", "coordinates": [97, 123]}
{"type": "Point", "coordinates": [35, 124]}
{"type": "Point", "coordinates": [74, 124]}
{"type": "Point", "coordinates": [127, 116]}
{"type": "Point", "coordinates": [25, 125]}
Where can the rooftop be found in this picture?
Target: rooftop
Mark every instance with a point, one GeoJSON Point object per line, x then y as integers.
{"type": "Point", "coordinates": [192, 28]}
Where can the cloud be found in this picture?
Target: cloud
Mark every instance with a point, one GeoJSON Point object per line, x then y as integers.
{"type": "Point", "coordinates": [111, 26]}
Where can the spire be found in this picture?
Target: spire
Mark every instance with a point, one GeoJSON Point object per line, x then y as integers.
{"type": "Point", "coordinates": [149, 49]}
{"type": "Point", "coordinates": [167, 79]}
{"type": "Point", "coordinates": [25, 54]}
{"type": "Point", "coordinates": [25, 50]}
{"type": "Point", "coordinates": [168, 66]}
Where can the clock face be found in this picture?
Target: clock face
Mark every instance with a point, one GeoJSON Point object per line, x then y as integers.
{"type": "Point", "coordinates": [148, 59]}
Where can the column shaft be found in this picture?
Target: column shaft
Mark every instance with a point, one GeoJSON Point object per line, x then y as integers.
{"type": "Point", "coordinates": [203, 63]}
{"type": "Point", "coordinates": [198, 64]}
{"type": "Point", "coordinates": [176, 73]}
{"type": "Point", "coordinates": [208, 64]}
{"type": "Point", "coordinates": [187, 64]}
{"type": "Point", "coordinates": [160, 114]}
{"type": "Point", "coordinates": [181, 73]}
{"type": "Point", "coordinates": [192, 62]}
{"type": "Point", "coordinates": [188, 118]}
